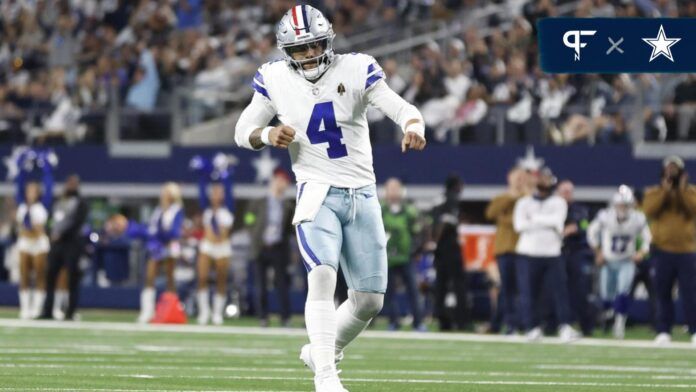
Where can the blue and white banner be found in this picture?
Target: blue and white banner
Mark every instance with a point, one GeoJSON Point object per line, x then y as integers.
{"type": "Point", "coordinates": [617, 45]}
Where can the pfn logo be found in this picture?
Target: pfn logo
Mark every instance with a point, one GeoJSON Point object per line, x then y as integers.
{"type": "Point", "coordinates": [576, 44]}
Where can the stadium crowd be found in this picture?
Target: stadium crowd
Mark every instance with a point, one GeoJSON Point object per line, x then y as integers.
{"type": "Point", "coordinates": [65, 65]}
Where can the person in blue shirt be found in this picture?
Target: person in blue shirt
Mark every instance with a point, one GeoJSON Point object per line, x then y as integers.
{"type": "Point", "coordinates": [215, 248]}
{"type": "Point", "coordinates": [163, 246]}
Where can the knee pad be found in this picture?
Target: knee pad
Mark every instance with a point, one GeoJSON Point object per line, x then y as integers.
{"type": "Point", "coordinates": [365, 305]}
{"type": "Point", "coordinates": [321, 283]}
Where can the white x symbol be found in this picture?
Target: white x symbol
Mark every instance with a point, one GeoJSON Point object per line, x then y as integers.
{"type": "Point", "coordinates": [615, 45]}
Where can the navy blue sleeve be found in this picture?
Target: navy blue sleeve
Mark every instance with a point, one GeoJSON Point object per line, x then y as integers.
{"type": "Point", "coordinates": [47, 198]}
{"type": "Point", "coordinates": [20, 180]}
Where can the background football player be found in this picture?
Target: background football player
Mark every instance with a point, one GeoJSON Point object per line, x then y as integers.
{"type": "Point", "coordinates": [321, 99]}
{"type": "Point", "coordinates": [613, 235]}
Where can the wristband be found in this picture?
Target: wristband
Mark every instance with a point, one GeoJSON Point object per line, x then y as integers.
{"type": "Point", "coordinates": [264, 135]}
{"type": "Point", "coordinates": [416, 127]}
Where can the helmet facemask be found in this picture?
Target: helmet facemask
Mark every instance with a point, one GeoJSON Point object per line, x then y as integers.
{"type": "Point", "coordinates": [325, 44]}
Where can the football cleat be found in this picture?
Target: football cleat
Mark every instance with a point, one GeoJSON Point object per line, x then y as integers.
{"type": "Point", "coordinates": [567, 334]}
{"type": "Point", "coordinates": [306, 357]}
{"type": "Point", "coordinates": [663, 338]}
{"type": "Point", "coordinates": [329, 383]}
{"type": "Point", "coordinates": [534, 335]}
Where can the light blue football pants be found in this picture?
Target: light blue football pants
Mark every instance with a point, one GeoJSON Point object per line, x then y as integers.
{"type": "Point", "coordinates": [616, 278]}
{"type": "Point", "coordinates": [348, 230]}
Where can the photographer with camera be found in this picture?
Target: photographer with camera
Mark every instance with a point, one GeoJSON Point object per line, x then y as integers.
{"type": "Point", "coordinates": [671, 209]}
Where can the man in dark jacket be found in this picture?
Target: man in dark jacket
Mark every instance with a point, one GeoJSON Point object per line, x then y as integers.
{"type": "Point", "coordinates": [448, 259]}
{"type": "Point", "coordinates": [69, 215]}
{"type": "Point", "coordinates": [579, 259]}
{"type": "Point", "coordinates": [270, 245]}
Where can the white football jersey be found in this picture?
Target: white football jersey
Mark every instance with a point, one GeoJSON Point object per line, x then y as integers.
{"type": "Point", "coordinates": [618, 238]}
{"type": "Point", "coordinates": [332, 141]}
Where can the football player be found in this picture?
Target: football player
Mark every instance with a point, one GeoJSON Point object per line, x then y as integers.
{"type": "Point", "coordinates": [613, 235]}
{"type": "Point", "coordinates": [321, 100]}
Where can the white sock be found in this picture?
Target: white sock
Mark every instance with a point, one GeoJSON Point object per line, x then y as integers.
{"type": "Point", "coordinates": [354, 315]}
{"type": "Point", "coordinates": [349, 326]}
{"type": "Point", "coordinates": [219, 301]}
{"type": "Point", "coordinates": [37, 301]}
{"type": "Point", "coordinates": [60, 299]}
{"type": "Point", "coordinates": [24, 304]}
{"type": "Point", "coordinates": [320, 318]}
{"type": "Point", "coordinates": [203, 297]}
{"type": "Point", "coordinates": [147, 304]}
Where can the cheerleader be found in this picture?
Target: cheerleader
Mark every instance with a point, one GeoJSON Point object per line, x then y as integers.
{"type": "Point", "coordinates": [163, 246]}
{"type": "Point", "coordinates": [215, 248]}
{"type": "Point", "coordinates": [32, 242]}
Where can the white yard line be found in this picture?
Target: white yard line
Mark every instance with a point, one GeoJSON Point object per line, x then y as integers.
{"type": "Point", "coordinates": [348, 380]}
{"type": "Point", "coordinates": [39, 389]}
{"type": "Point", "coordinates": [295, 332]}
{"type": "Point", "coordinates": [494, 374]}
{"type": "Point", "coordinates": [629, 369]}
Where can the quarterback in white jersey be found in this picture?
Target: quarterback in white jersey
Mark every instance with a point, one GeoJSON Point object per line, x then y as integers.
{"type": "Point", "coordinates": [321, 100]}
{"type": "Point", "coordinates": [614, 234]}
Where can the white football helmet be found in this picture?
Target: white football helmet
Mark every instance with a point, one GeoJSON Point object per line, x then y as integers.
{"type": "Point", "coordinates": [623, 201]}
{"type": "Point", "coordinates": [301, 27]}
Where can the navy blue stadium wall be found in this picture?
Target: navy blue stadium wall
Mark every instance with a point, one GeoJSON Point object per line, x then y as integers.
{"type": "Point", "coordinates": [479, 165]}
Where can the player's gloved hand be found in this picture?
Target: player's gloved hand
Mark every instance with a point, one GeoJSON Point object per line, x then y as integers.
{"type": "Point", "coordinates": [412, 141]}
{"type": "Point", "coordinates": [281, 136]}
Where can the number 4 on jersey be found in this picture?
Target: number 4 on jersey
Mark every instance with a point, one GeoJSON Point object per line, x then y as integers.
{"type": "Point", "coordinates": [332, 134]}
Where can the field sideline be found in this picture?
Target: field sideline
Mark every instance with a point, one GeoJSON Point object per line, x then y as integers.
{"type": "Point", "coordinates": [116, 356]}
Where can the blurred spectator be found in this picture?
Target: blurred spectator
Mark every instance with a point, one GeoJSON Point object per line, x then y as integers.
{"type": "Point", "coordinates": [209, 84]}
{"type": "Point", "coordinates": [270, 246]}
{"type": "Point", "coordinates": [63, 46]}
{"type": "Point", "coordinates": [402, 226]}
{"type": "Point", "coordinates": [671, 209]}
{"type": "Point", "coordinates": [142, 94]}
{"type": "Point", "coordinates": [685, 102]}
{"type": "Point", "coordinates": [142, 51]}
{"type": "Point", "coordinates": [471, 113]}
{"type": "Point", "coordinates": [67, 245]}
{"type": "Point", "coordinates": [579, 259]}
{"type": "Point", "coordinates": [113, 249]}
{"type": "Point", "coordinates": [451, 303]}
{"type": "Point", "coordinates": [500, 211]}
{"type": "Point", "coordinates": [189, 14]}
{"type": "Point", "coordinates": [539, 219]}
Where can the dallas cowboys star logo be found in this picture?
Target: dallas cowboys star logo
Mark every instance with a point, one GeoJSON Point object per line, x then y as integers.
{"type": "Point", "coordinates": [661, 45]}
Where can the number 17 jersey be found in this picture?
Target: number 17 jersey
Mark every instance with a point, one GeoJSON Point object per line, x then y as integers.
{"type": "Point", "coordinates": [332, 141]}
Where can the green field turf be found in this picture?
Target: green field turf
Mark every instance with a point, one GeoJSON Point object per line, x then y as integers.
{"type": "Point", "coordinates": [116, 356]}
